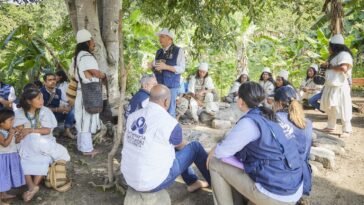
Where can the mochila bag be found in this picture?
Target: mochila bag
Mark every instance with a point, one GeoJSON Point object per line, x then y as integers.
{"type": "Point", "coordinates": [91, 95]}
{"type": "Point", "coordinates": [72, 91]}
{"type": "Point", "coordinates": [57, 177]}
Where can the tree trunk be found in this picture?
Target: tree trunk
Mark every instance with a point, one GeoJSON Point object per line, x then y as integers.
{"type": "Point", "coordinates": [84, 14]}
{"type": "Point", "coordinates": [119, 131]}
{"type": "Point", "coordinates": [242, 50]}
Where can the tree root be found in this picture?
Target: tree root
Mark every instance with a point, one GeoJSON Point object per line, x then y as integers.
{"type": "Point", "coordinates": [119, 187]}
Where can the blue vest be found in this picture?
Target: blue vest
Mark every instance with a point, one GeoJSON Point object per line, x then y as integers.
{"type": "Point", "coordinates": [136, 102]}
{"type": "Point", "coordinates": [4, 92]}
{"type": "Point", "coordinates": [56, 99]}
{"type": "Point", "coordinates": [273, 159]}
{"type": "Point", "coordinates": [168, 78]}
{"type": "Point", "coordinates": [303, 138]}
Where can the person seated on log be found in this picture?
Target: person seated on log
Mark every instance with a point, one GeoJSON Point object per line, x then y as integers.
{"type": "Point", "coordinates": [281, 80]}
{"type": "Point", "coordinates": [291, 116]}
{"type": "Point", "coordinates": [259, 158]}
{"type": "Point", "coordinates": [37, 147]}
{"type": "Point", "coordinates": [53, 99]}
{"type": "Point", "coordinates": [141, 98]}
{"type": "Point", "coordinates": [7, 95]}
{"type": "Point", "coordinates": [309, 88]}
{"type": "Point", "coordinates": [201, 94]}
{"type": "Point", "coordinates": [149, 161]}
{"type": "Point", "coordinates": [268, 84]}
{"type": "Point", "coordinates": [233, 93]}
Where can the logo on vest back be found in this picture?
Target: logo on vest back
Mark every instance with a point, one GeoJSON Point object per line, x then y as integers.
{"type": "Point", "coordinates": [139, 125]}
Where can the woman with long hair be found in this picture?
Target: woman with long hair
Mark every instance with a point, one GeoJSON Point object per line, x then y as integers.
{"type": "Point", "coordinates": [258, 158]}
{"type": "Point", "coordinates": [233, 93]}
{"type": "Point", "coordinates": [37, 148]}
{"type": "Point", "coordinates": [336, 97]}
{"type": "Point", "coordinates": [308, 88]}
{"type": "Point", "coordinates": [268, 84]}
{"type": "Point", "coordinates": [85, 68]}
{"type": "Point", "coordinates": [291, 116]}
{"type": "Point", "coordinates": [282, 80]}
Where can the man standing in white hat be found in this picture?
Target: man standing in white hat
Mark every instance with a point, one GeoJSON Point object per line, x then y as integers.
{"type": "Point", "coordinates": [336, 97]}
{"type": "Point", "coordinates": [168, 65]}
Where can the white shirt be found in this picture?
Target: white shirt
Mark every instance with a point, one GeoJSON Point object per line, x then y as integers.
{"type": "Point", "coordinates": [334, 78]}
{"type": "Point", "coordinates": [267, 86]}
{"type": "Point", "coordinates": [196, 84]}
{"type": "Point", "coordinates": [147, 154]}
{"type": "Point", "coordinates": [181, 61]}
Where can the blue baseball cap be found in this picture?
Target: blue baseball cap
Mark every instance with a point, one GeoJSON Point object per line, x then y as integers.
{"type": "Point", "coordinates": [285, 94]}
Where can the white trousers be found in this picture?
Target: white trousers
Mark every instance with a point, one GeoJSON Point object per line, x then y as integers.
{"type": "Point", "coordinates": [84, 142]}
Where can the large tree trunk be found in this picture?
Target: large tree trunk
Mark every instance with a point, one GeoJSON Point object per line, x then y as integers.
{"type": "Point", "coordinates": [84, 14]}
{"type": "Point", "coordinates": [242, 64]}
{"type": "Point", "coordinates": [119, 131]}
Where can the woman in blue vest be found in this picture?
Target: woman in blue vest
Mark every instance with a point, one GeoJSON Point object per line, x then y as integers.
{"type": "Point", "coordinates": [257, 158]}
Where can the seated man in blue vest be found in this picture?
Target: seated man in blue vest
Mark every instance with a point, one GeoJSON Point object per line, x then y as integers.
{"type": "Point", "coordinates": [149, 161]}
{"type": "Point", "coordinates": [141, 98]}
{"type": "Point", "coordinates": [7, 95]}
{"type": "Point", "coordinates": [52, 97]}
{"type": "Point", "coordinates": [168, 66]}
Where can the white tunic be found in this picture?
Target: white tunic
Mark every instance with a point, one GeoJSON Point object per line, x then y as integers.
{"type": "Point", "coordinates": [196, 85]}
{"type": "Point", "coordinates": [336, 93]}
{"type": "Point", "coordinates": [38, 151]}
{"type": "Point", "coordinates": [85, 122]}
{"type": "Point", "coordinates": [267, 86]}
{"type": "Point", "coordinates": [147, 154]}
{"type": "Point", "coordinates": [235, 87]}
{"type": "Point", "coordinates": [309, 84]}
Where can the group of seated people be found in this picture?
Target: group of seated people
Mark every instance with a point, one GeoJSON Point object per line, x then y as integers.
{"type": "Point", "coordinates": [269, 165]}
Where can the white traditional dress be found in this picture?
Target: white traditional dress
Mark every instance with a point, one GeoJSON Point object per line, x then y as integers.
{"type": "Point", "coordinates": [37, 151]}
{"type": "Point", "coordinates": [268, 89]}
{"type": "Point", "coordinates": [336, 97]}
{"type": "Point", "coordinates": [235, 88]}
{"type": "Point", "coordinates": [86, 123]}
{"type": "Point", "coordinates": [195, 85]}
{"type": "Point", "coordinates": [309, 84]}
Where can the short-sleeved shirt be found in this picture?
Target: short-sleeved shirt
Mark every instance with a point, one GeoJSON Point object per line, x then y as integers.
{"type": "Point", "coordinates": [334, 78]}
{"type": "Point", "coordinates": [85, 61]}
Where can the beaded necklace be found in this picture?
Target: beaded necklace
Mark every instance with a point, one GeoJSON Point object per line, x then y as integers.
{"type": "Point", "coordinates": [34, 121]}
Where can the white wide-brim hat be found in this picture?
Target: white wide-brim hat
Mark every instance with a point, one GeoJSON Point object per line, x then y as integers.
{"type": "Point", "coordinates": [83, 35]}
{"type": "Point", "coordinates": [166, 32]}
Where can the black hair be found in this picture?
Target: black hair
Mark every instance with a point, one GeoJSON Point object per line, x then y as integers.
{"type": "Point", "coordinates": [30, 85]}
{"type": "Point", "coordinates": [198, 76]}
{"type": "Point", "coordinates": [38, 84]}
{"type": "Point", "coordinates": [63, 75]}
{"type": "Point", "coordinates": [5, 114]}
{"type": "Point", "coordinates": [45, 76]}
{"type": "Point", "coordinates": [81, 47]}
{"type": "Point", "coordinates": [314, 73]}
{"type": "Point", "coordinates": [285, 83]}
{"type": "Point", "coordinates": [239, 79]}
{"type": "Point", "coordinates": [269, 79]}
{"type": "Point", "coordinates": [28, 94]}
{"type": "Point", "coordinates": [253, 95]}
{"type": "Point", "coordinates": [337, 48]}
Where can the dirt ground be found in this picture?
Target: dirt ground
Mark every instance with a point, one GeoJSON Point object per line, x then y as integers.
{"type": "Point", "coordinates": [342, 185]}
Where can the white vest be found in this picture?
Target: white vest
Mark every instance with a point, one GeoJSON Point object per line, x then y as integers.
{"type": "Point", "coordinates": [147, 154]}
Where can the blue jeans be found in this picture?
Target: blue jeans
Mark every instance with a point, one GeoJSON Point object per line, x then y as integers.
{"type": "Point", "coordinates": [172, 106]}
{"type": "Point", "coordinates": [191, 153]}
{"type": "Point", "coordinates": [69, 118]}
{"type": "Point", "coordinates": [313, 101]}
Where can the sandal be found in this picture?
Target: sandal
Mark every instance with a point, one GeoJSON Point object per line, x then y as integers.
{"type": "Point", "coordinates": [28, 195]}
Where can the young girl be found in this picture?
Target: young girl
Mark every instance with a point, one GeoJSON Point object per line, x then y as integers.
{"type": "Point", "coordinates": [11, 173]}
{"type": "Point", "coordinates": [37, 147]}
{"type": "Point", "coordinates": [309, 88]}
{"type": "Point", "coordinates": [233, 93]}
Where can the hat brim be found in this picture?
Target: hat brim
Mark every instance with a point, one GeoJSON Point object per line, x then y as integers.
{"type": "Point", "coordinates": [159, 34]}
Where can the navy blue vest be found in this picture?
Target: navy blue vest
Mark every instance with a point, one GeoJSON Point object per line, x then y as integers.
{"type": "Point", "coordinates": [4, 92]}
{"type": "Point", "coordinates": [56, 99]}
{"type": "Point", "coordinates": [273, 159]}
{"type": "Point", "coordinates": [303, 138]}
{"type": "Point", "coordinates": [168, 78]}
{"type": "Point", "coordinates": [136, 102]}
